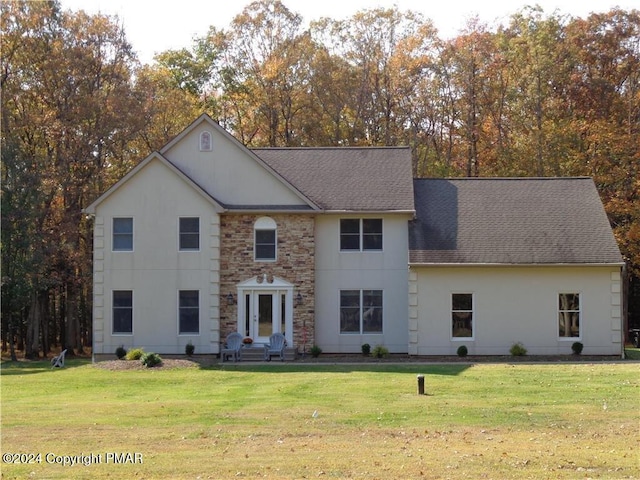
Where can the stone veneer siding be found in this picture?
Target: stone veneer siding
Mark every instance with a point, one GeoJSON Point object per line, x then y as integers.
{"type": "Point", "coordinates": [295, 263]}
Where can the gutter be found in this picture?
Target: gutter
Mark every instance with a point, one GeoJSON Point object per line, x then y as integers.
{"type": "Point", "coordinates": [272, 211]}
{"type": "Point", "coordinates": [495, 264]}
{"type": "Point", "coordinates": [369, 212]}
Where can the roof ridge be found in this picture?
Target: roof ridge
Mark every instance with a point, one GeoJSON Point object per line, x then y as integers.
{"type": "Point", "coordinates": [397, 147]}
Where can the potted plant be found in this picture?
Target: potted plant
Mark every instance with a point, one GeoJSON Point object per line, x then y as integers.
{"type": "Point", "coordinates": [247, 340]}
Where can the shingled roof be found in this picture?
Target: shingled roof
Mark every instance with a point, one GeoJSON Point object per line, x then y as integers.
{"type": "Point", "coordinates": [510, 221]}
{"type": "Point", "coordinates": [373, 179]}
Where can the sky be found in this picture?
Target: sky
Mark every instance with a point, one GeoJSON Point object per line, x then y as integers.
{"type": "Point", "coordinates": [156, 26]}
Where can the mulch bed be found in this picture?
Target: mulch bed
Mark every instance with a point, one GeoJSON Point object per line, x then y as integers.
{"type": "Point", "coordinates": [401, 358]}
{"type": "Point", "coordinates": [167, 364]}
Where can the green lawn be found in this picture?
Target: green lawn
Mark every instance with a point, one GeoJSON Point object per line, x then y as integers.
{"type": "Point", "coordinates": [497, 421]}
{"type": "Point", "coordinates": [632, 353]}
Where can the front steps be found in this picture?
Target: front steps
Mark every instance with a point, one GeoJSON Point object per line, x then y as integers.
{"type": "Point", "coordinates": [256, 354]}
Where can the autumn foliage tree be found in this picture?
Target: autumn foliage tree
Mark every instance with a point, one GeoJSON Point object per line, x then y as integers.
{"type": "Point", "coordinates": [539, 95]}
{"type": "Point", "coordinates": [67, 110]}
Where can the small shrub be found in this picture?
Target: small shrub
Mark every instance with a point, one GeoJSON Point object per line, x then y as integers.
{"type": "Point", "coordinates": [366, 349]}
{"type": "Point", "coordinates": [189, 349]}
{"type": "Point", "coordinates": [518, 350]}
{"type": "Point", "coordinates": [315, 351]}
{"type": "Point", "coordinates": [151, 359]}
{"type": "Point", "coordinates": [379, 351]}
{"type": "Point", "coordinates": [121, 352]}
{"type": "Point", "coordinates": [577, 348]}
{"type": "Point", "coordinates": [135, 354]}
{"type": "Point", "coordinates": [462, 351]}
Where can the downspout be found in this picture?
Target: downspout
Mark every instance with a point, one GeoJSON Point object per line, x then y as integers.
{"type": "Point", "coordinates": [624, 296]}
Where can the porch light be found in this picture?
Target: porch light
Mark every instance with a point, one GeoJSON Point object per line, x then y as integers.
{"type": "Point", "coordinates": [298, 299]}
{"type": "Point", "coordinates": [230, 299]}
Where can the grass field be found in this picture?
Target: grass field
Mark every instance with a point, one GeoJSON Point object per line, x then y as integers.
{"type": "Point", "coordinates": [292, 421]}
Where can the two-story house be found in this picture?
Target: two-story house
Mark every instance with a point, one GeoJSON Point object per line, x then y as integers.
{"type": "Point", "coordinates": [338, 247]}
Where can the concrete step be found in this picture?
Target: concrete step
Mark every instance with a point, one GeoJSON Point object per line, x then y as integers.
{"type": "Point", "coordinates": [255, 353]}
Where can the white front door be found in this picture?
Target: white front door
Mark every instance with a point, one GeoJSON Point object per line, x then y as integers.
{"type": "Point", "coordinates": [265, 309]}
{"type": "Point", "coordinates": [268, 313]}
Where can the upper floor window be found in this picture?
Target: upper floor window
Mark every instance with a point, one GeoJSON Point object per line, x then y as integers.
{"type": "Point", "coordinates": [569, 315]}
{"type": "Point", "coordinates": [265, 239]}
{"type": "Point", "coordinates": [462, 315]}
{"type": "Point", "coordinates": [189, 233]}
{"type": "Point", "coordinates": [205, 142]}
{"type": "Point", "coordinates": [122, 312]}
{"type": "Point", "coordinates": [123, 234]}
{"type": "Point", "coordinates": [361, 234]}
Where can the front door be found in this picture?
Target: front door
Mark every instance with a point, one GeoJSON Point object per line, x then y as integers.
{"type": "Point", "coordinates": [264, 313]}
{"type": "Point", "coordinates": [265, 308]}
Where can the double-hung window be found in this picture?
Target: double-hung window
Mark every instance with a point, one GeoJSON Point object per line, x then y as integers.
{"type": "Point", "coordinates": [265, 239]}
{"type": "Point", "coordinates": [122, 312]}
{"type": "Point", "coordinates": [189, 233]}
{"type": "Point", "coordinates": [123, 234]}
{"type": "Point", "coordinates": [188, 312]}
{"type": "Point", "coordinates": [461, 315]}
{"type": "Point", "coordinates": [361, 311]}
{"type": "Point", "coordinates": [361, 234]}
{"type": "Point", "coordinates": [569, 315]}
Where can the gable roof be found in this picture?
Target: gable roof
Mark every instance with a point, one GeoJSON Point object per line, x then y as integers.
{"type": "Point", "coordinates": [204, 118]}
{"type": "Point", "coordinates": [91, 209]}
{"type": "Point", "coordinates": [351, 179]}
{"type": "Point", "coordinates": [375, 179]}
{"type": "Point", "coordinates": [510, 221]}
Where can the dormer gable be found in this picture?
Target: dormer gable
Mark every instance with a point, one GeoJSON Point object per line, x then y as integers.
{"type": "Point", "coordinates": [229, 171]}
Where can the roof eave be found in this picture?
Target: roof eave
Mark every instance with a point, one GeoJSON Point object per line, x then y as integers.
{"type": "Point", "coordinates": [369, 212]}
{"type": "Point", "coordinates": [498, 264]}
{"type": "Point", "coordinates": [232, 210]}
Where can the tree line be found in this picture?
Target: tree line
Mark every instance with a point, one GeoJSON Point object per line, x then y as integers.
{"type": "Point", "coordinates": [541, 95]}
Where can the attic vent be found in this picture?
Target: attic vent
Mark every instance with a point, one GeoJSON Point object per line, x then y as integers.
{"type": "Point", "coordinates": [205, 142]}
